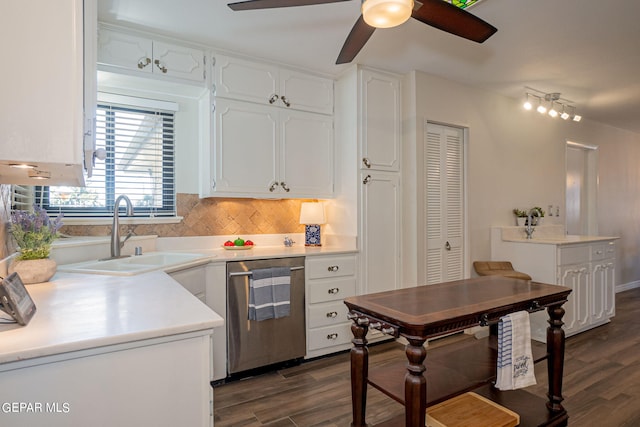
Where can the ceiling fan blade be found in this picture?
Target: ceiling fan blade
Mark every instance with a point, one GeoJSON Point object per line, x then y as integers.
{"type": "Point", "coordinates": [270, 4]}
{"type": "Point", "coordinates": [357, 38]}
{"type": "Point", "coordinates": [449, 18]}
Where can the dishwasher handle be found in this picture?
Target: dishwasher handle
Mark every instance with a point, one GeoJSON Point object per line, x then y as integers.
{"type": "Point", "coordinates": [249, 273]}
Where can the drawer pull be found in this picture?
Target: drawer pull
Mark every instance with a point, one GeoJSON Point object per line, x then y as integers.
{"type": "Point", "coordinates": [333, 336]}
{"type": "Point", "coordinates": [333, 268]}
{"type": "Point", "coordinates": [332, 314]}
{"type": "Point", "coordinates": [333, 291]}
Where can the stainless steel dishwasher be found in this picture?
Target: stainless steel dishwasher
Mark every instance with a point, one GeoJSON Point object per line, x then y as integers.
{"type": "Point", "coordinates": [253, 344]}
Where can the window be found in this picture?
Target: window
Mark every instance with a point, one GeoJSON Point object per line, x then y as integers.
{"type": "Point", "coordinates": [138, 139]}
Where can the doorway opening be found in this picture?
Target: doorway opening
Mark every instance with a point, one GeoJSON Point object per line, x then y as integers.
{"type": "Point", "coordinates": [581, 189]}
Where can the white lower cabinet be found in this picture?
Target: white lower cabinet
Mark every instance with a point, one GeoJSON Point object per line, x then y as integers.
{"type": "Point", "coordinates": [193, 279]}
{"type": "Point", "coordinates": [588, 268]}
{"type": "Point", "coordinates": [329, 280]}
{"type": "Point", "coordinates": [208, 283]}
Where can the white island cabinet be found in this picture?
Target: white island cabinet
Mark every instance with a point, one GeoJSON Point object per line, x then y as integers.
{"type": "Point", "coordinates": [109, 351]}
{"type": "Point", "coordinates": [586, 264]}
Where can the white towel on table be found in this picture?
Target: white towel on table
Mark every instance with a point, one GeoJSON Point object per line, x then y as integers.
{"type": "Point", "coordinates": [269, 293]}
{"type": "Point", "coordinates": [515, 362]}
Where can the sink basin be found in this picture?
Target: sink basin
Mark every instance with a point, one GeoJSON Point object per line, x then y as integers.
{"type": "Point", "coordinates": [136, 264]}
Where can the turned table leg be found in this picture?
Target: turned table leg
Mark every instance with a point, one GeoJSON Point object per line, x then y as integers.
{"type": "Point", "coordinates": [359, 373]}
{"type": "Point", "coordinates": [555, 361]}
{"type": "Point", "coordinates": [415, 384]}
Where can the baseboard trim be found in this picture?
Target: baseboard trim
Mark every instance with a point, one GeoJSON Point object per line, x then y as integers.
{"type": "Point", "coordinates": [628, 286]}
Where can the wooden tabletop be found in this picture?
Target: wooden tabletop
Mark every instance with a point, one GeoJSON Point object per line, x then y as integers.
{"type": "Point", "coordinates": [431, 310]}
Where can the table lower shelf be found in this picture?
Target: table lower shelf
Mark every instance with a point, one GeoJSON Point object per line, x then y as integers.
{"type": "Point", "coordinates": [450, 369]}
{"type": "Point", "coordinates": [530, 408]}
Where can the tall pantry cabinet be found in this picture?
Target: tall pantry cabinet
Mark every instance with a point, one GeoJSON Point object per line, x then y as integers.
{"type": "Point", "coordinates": [368, 128]}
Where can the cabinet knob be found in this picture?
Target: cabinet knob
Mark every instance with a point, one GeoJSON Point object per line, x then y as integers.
{"type": "Point", "coordinates": [366, 179]}
{"type": "Point", "coordinates": [366, 162]}
{"type": "Point", "coordinates": [273, 186]}
{"type": "Point", "coordinates": [332, 314]}
{"type": "Point", "coordinates": [333, 336]}
{"type": "Point", "coordinates": [273, 98]}
{"type": "Point", "coordinates": [284, 186]}
{"type": "Point", "coordinates": [144, 62]}
{"type": "Point", "coordinates": [285, 101]}
{"type": "Point", "coordinates": [333, 291]}
{"type": "Point", "coordinates": [160, 66]}
{"type": "Point", "coordinates": [333, 268]}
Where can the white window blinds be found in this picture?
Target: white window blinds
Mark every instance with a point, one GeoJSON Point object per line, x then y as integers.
{"type": "Point", "coordinates": [139, 144]}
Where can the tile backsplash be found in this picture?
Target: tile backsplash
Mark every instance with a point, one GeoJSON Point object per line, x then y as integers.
{"type": "Point", "coordinates": [213, 217]}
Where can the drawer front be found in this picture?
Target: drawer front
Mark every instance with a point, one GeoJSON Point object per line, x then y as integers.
{"type": "Point", "coordinates": [329, 336]}
{"type": "Point", "coordinates": [603, 251]}
{"type": "Point", "coordinates": [574, 254]}
{"type": "Point", "coordinates": [331, 290]}
{"type": "Point", "coordinates": [331, 313]}
{"type": "Point", "coordinates": [335, 266]}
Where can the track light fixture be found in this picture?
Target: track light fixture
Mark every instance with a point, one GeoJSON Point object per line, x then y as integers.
{"type": "Point", "coordinates": [551, 104]}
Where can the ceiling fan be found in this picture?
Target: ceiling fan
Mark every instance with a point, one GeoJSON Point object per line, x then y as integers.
{"type": "Point", "coordinates": [436, 13]}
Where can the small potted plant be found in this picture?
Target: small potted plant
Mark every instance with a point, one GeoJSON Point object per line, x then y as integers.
{"type": "Point", "coordinates": [34, 232]}
{"type": "Point", "coordinates": [521, 217]}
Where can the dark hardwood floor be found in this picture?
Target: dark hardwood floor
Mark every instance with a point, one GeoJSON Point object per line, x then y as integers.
{"type": "Point", "coordinates": [601, 383]}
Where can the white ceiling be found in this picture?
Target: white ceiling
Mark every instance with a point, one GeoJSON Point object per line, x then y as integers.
{"type": "Point", "coordinates": [588, 50]}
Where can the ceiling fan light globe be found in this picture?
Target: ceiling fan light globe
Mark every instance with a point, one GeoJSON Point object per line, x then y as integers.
{"type": "Point", "coordinates": [386, 13]}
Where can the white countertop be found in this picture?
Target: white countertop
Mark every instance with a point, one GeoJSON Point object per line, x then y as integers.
{"type": "Point", "coordinates": [546, 235]}
{"type": "Point", "coordinates": [80, 311]}
{"type": "Point", "coordinates": [561, 240]}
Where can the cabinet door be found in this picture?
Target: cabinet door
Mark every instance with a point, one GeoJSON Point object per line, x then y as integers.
{"type": "Point", "coordinates": [306, 154]}
{"type": "Point", "coordinates": [178, 61]}
{"type": "Point", "coordinates": [603, 291]}
{"type": "Point", "coordinates": [245, 80]}
{"type": "Point", "coordinates": [380, 231]}
{"type": "Point", "coordinates": [380, 112]}
{"type": "Point", "coordinates": [245, 150]}
{"type": "Point", "coordinates": [306, 92]}
{"type": "Point", "coordinates": [125, 51]}
{"type": "Point", "coordinates": [41, 117]}
{"type": "Point", "coordinates": [577, 307]}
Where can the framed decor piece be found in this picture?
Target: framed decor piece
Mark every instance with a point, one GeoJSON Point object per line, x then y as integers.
{"type": "Point", "coordinates": [15, 300]}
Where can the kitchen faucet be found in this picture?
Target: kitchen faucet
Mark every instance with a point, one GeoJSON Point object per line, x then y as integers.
{"type": "Point", "coordinates": [529, 228]}
{"type": "Point", "coordinates": [116, 244]}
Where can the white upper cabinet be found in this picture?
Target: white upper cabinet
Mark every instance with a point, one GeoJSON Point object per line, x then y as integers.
{"type": "Point", "coordinates": [260, 151]}
{"type": "Point", "coordinates": [41, 108]}
{"type": "Point", "coordinates": [380, 113]}
{"type": "Point", "coordinates": [263, 83]}
{"type": "Point", "coordinates": [119, 50]}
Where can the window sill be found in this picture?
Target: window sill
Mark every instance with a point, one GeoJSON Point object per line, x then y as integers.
{"type": "Point", "coordinates": [122, 220]}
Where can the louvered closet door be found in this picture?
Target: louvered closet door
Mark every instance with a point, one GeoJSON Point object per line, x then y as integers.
{"type": "Point", "coordinates": [444, 199]}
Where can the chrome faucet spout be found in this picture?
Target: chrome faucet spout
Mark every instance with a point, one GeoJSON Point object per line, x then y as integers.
{"type": "Point", "coordinates": [116, 244]}
{"type": "Point", "coordinates": [529, 227]}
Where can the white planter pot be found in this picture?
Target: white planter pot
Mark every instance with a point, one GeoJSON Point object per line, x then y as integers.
{"type": "Point", "coordinates": [34, 270]}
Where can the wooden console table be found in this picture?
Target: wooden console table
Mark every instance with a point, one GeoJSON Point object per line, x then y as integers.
{"type": "Point", "coordinates": [429, 311]}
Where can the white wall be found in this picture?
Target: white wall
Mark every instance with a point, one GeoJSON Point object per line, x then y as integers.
{"type": "Point", "coordinates": [516, 158]}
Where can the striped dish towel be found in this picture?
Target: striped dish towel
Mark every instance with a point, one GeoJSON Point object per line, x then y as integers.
{"type": "Point", "coordinates": [269, 293]}
{"type": "Point", "coordinates": [515, 362]}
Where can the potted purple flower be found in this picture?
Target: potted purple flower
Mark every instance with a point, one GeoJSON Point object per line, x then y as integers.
{"type": "Point", "coordinates": [34, 232]}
